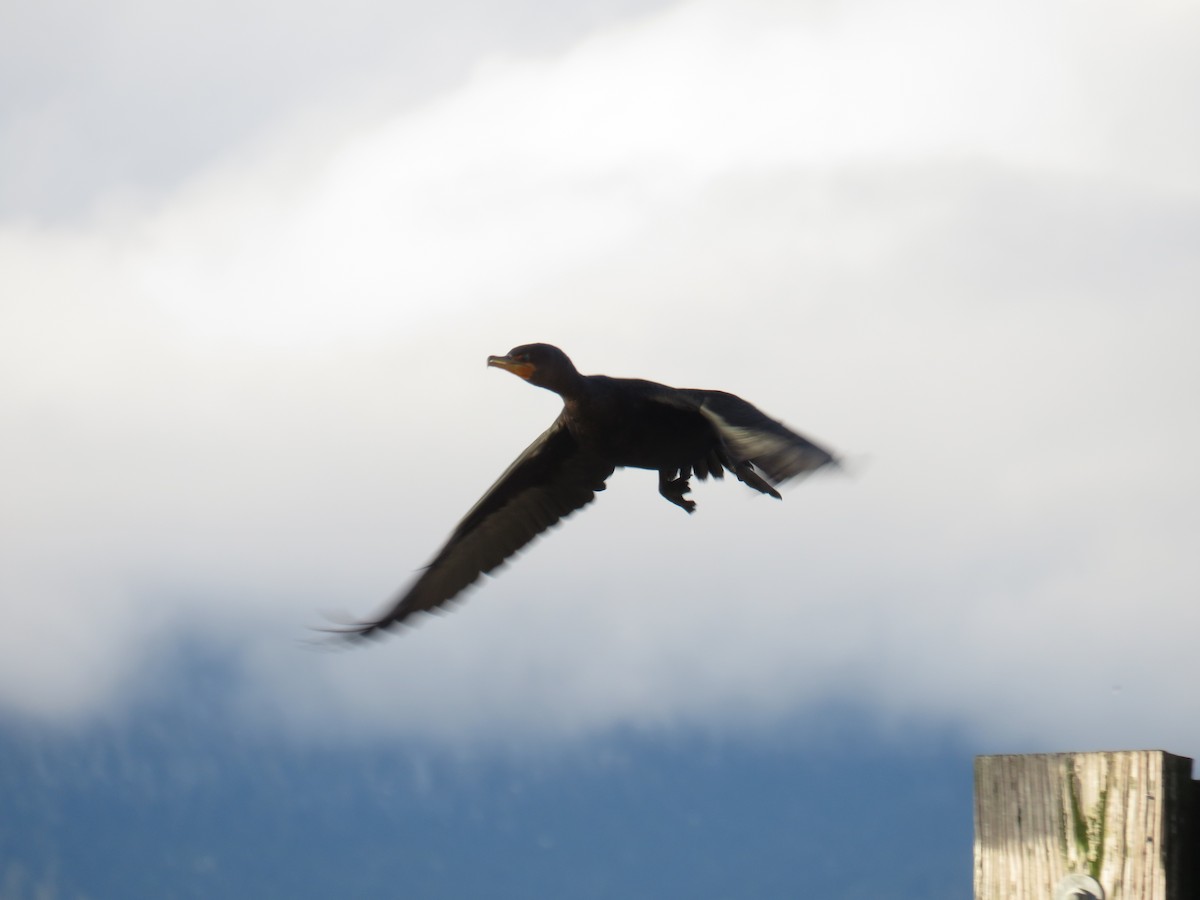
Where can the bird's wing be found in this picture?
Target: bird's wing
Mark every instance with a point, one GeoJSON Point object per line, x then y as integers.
{"type": "Point", "coordinates": [750, 435]}
{"type": "Point", "coordinates": [550, 480]}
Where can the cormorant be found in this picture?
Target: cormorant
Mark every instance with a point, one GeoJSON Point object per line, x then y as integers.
{"type": "Point", "coordinates": [605, 423]}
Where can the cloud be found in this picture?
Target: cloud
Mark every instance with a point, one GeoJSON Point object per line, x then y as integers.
{"type": "Point", "coordinates": [155, 95]}
{"type": "Point", "coordinates": [895, 228]}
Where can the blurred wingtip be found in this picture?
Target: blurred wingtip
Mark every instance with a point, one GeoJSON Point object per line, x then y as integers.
{"type": "Point", "coordinates": [345, 631]}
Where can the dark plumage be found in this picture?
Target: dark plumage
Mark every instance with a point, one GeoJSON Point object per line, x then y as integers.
{"type": "Point", "coordinates": [605, 423]}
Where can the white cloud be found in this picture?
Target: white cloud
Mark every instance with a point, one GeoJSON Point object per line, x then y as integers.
{"type": "Point", "coordinates": [897, 228]}
{"type": "Point", "coordinates": [118, 96]}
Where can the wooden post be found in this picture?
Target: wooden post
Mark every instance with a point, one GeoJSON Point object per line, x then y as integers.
{"type": "Point", "coordinates": [1077, 826]}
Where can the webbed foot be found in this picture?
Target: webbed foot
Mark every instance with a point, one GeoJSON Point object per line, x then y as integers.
{"type": "Point", "coordinates": [674, 489]}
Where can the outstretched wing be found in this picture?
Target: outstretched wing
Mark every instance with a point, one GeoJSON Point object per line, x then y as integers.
{"type": "Point", "coordinates": [550, 480]}
{"type": "Point", "coordinates": [749, 435]}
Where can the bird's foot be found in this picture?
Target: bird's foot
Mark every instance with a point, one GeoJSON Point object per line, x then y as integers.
{"type": "Point", "coordinates": [674, 489]}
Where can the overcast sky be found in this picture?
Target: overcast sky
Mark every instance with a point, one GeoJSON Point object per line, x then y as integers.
{"type": "Point", "coordinates": [249, 277]}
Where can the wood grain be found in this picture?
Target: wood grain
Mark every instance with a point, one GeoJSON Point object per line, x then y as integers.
{"type": "Point", "coordinates": [1124, 818]}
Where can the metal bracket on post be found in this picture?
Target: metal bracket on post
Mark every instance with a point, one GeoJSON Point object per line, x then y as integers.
{"type": "Point", "coordinates": [1078, 887]}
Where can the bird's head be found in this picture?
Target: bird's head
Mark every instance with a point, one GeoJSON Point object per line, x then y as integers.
{"type": "Point", "coordinates": [541, 364]}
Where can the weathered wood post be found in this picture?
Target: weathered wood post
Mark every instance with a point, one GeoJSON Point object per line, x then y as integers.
{"type": "Point", "coordinates": [1078, 826]}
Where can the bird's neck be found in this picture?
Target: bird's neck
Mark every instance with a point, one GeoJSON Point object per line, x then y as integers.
{"type": "Point", "coordinates": [571, 386]}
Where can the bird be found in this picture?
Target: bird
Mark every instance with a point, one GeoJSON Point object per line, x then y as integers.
{"type": "Point", "coordinates": [605, 424]}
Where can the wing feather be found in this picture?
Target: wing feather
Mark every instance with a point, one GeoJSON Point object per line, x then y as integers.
{"type": "Point", "coordinates": [551, 479]}
{"type": "Point", "coordinates": [750, 435]}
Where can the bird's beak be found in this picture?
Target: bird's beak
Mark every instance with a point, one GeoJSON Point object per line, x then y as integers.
{"type": "Point", "coordinates": [520, 369]}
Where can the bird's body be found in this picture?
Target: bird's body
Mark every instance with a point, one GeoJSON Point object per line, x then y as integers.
{"type": "Point", "coordinates": [626, 421]}
{"type": "Point", "coordinates": [606, 423]}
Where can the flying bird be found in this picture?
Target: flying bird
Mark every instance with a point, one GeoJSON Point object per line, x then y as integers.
{"type": "Point", "coordinates": [605, 423]}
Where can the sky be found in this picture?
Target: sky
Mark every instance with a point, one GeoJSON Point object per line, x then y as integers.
{"type": "Point", "coordinates": [251, 267]}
